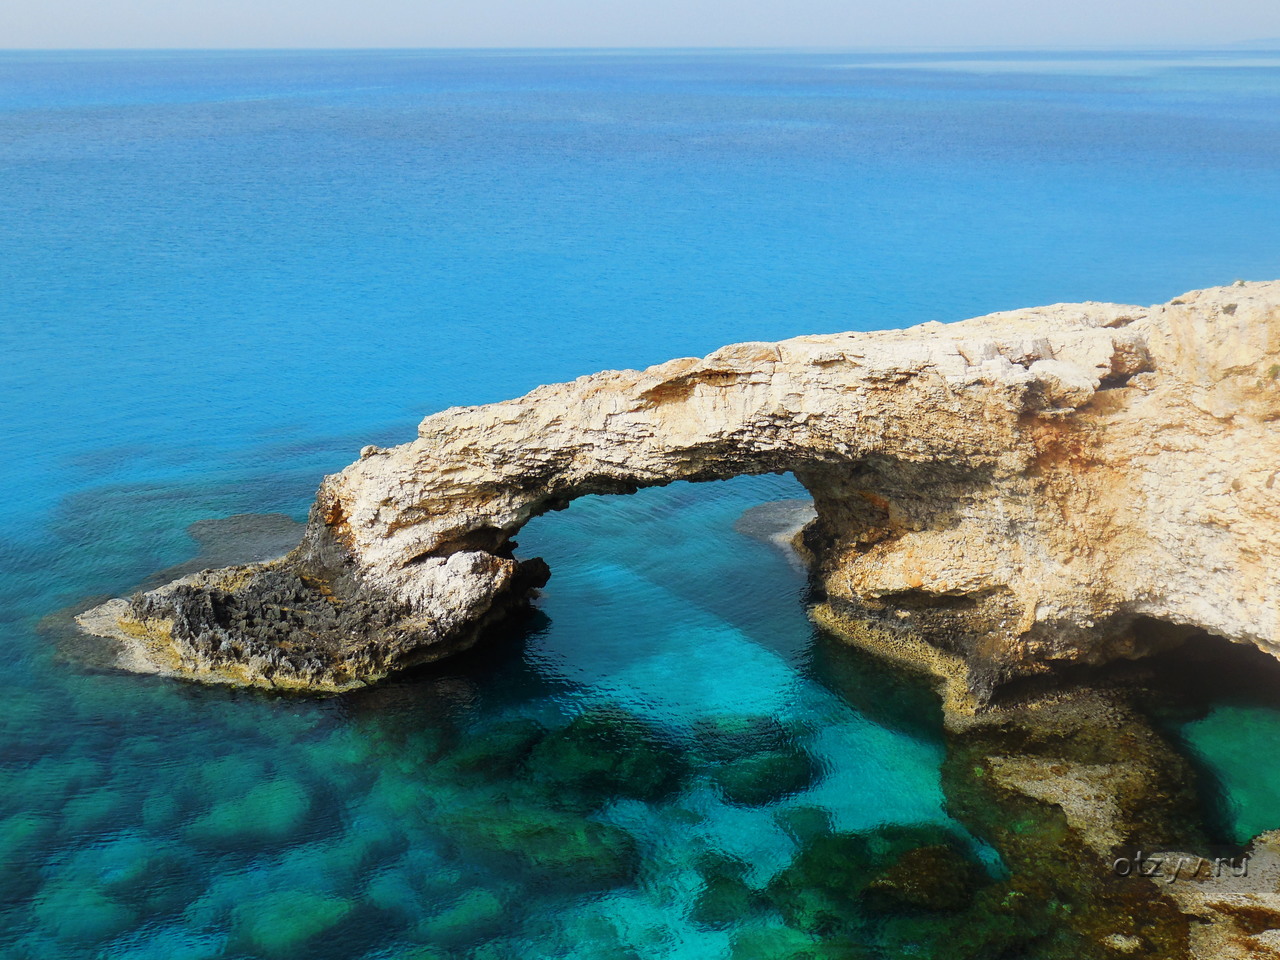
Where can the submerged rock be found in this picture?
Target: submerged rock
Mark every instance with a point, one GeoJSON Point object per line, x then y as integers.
{"type": "Point", "coordinates": [544, 844]}
{"type": "Point", "coordinates": [602, 755]}
{"type": "Point", "coordinates": [271, 812]}
{"type": "Point", "coordinates": [779, 523]}
{"type": "Point", "coordinates": [823, 891]}
{"type": "Point", "coordinates": [285, 924]}
{"type": "Point", "coordinates": [71, 910]}
{"type": "Point", "coordinates": [766, 777]}
{"type": "Point", "coordinates": [936, 877]}
{"type": "Point", "coordinates": [475, 916]}
{"type": "Point", "coordinates": [785, 943]}
{"type": "Point", "coordinates": [497, 751]}
{"type": "Point", "coordinates": [724, 739]}
{"type": "Point", "coordinates": [754, 760]}
{"type": "Point", "coordinates": [996, 496]}
{"type": "Point", "coordinates": [726, 899]}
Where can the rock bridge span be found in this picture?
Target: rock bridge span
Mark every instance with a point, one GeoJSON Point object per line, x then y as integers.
{"type": "Point", "coordinates": [994, 496]}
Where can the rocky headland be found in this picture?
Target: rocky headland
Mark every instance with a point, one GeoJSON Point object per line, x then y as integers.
{"type": "Point", "coordinates": [996, 497]}
{"type": "Point", "coordinates": [1039, 510]}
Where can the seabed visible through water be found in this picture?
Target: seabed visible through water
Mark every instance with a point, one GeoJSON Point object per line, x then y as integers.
{"type": "Point", "coordinates": [221, 275]}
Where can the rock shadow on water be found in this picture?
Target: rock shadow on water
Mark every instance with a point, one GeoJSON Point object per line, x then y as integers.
{"type": "Point", "coordinates": [419, 713]}
{"type": "Point", "coordinates": [1220, 703]}
{"type": "Point", "coordinates": [882, 691]}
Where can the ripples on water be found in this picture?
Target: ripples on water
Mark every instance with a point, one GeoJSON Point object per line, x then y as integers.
{"type": "Point", "coordinates": [633, 768]}
{"type": "Point", "coordinates": [220, 275]}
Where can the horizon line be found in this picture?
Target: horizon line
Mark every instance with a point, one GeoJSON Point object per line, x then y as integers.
{"type": "Point", "coordinates": [1253, 45]}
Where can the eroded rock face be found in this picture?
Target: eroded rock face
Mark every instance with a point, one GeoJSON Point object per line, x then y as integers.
{"type": "Point", "coordinates": [1012, 491]}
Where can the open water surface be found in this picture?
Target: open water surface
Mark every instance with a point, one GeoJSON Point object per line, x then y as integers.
{"type": "Point", "coordinates": [221, 274]}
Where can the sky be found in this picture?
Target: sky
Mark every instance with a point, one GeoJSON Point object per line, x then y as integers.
{"type": "Point", "coordinates": [827, 24]}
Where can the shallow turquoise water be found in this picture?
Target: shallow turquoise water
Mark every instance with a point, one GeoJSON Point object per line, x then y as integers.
{"type": "Point", "coordinates": [174, 820]}
{"type": "Point", "coordinates": [1234, 739]}
{"type": "Point", "coordinates": [222, 274]}
{"type": "Point", "coordinates": [1230, 724]}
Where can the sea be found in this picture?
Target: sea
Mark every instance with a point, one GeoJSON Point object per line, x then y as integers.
{"type": "Point", "coordinates": [223, 273]}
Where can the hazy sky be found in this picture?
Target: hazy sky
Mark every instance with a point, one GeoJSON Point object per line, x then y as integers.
{"type": "Point", "coordinates": [626, 23]}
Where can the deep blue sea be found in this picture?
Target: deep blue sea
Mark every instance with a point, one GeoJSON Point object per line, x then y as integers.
{"type": "Point", "coordinates": [221, 274]}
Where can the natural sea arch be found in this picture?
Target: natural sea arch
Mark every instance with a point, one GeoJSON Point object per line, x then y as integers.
{"type": "Point", "coordinates": [993, 497]}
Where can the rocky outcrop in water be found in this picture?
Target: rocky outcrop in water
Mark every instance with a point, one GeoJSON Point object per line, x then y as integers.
{"type": "Point", "coordinates": [994, 497]}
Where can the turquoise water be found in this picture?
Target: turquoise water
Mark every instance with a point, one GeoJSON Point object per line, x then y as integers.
{"type": "Point", "coordinates": [1227, 716]}
{"type": "Point", "coordinates": [222, 274]}
{"type": "Point", "coordinates": [1234, 739]}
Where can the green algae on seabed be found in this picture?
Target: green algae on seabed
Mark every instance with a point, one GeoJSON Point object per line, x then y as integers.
{"type": "Point", "coordinates": [284, 925]}
{"type": "Point", "coordinates": [755, 760]}
{"type": "Point", "coordinates": [544, 844]}
{"type": "Point", "coordinates": [726, 897]}
{"type": "Point", "coordinates": [271, 812]}
{"type": "Point", "coordinates": [603, 754]}
{"type": "Point", "coordinates": [474, 916]}
{"type": "Point", "coordinates": [69, 910]}
{"type": "Point", "coordinates": [823, 891]}
{"type": "Point", "coordinates": [777, 941]}
{"type": "Point", "coordinates": [766, 777]}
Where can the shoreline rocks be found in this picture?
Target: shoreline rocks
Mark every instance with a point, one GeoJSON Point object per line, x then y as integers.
{"type": "Point", "coordinates": [1075, 779]}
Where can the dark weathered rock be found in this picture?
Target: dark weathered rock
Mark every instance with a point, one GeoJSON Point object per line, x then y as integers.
{"type": "Point", "coordinates": [935, 877]}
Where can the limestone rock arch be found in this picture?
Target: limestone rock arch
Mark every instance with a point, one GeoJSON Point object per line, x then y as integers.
{"type": "Point", "coordinates": [995, 495]}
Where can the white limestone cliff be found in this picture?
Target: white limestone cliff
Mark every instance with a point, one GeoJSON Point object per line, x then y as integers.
{"type": "Point", "coordinates": [1008, 492]}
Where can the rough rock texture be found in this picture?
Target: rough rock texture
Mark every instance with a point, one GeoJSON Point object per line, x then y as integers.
{"type": "Point", "coordinates": [1097, 813]}
{"type": "Point", "coordinates": [1237, 904]}
{"type": "Point", "coordinates": [1063, 783]}
{"type": "Point", "coordinates": [1015, 491]}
